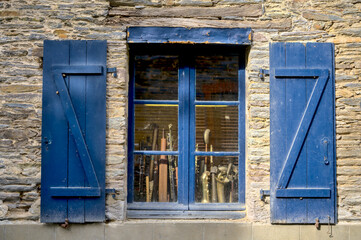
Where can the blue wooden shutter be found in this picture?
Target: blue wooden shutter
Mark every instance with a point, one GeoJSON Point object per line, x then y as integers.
{"type": "Point", "coordinates": [302, 133]}
{"type": "Point", "coordinates": [73, 131]}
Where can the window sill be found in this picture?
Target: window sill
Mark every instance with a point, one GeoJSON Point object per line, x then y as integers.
{"type": "Point", "coordinates": [155, 214]}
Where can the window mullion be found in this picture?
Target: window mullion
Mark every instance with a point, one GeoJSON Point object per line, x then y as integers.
{"type": "Point", "coordinates": [183, 119]}
{"type": "Point", "coordinates": [192, 128]}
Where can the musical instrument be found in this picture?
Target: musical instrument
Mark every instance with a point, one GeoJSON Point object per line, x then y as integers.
{"type": "Point", "coordinates": [163, 175]}
{"type": "Point", "coordinates": [171, 166]}
{"type": "Point", "coordinates": [205, 191]}
{"type": "Point", "coordinates": [213, 175]}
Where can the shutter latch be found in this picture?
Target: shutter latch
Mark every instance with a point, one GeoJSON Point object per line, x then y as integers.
{"type": "Point", "coordinates": [113, 70]}
{"type": "Point", "coordinates": [263, 73]}
{"type": "Point", "coordinates": [264, 194]}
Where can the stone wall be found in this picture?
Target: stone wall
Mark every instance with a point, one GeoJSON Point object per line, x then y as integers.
{"type": "Point", "coordinates": [25, 24]}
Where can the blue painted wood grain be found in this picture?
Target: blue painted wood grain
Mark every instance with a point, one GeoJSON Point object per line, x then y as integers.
{"type": "Point", "coordinates": [96, 126]}
{"type": "Point", "coordinates": [54, 147]}
{"type": "Point", "coordinates": [76, 85]}
{"type": "Point", "coordinates": [302, 115]}
{"type": "Point", "coordinates": [73, 150]}
{"type": "Point", "coordinates": [242, 36]}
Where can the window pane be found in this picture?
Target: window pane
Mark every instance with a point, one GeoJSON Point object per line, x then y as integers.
{"type": "Point", "coordinates": [217, 78]}
{"type": "Point", "coordinates": [218, 125]}
{"type": "Point", "coordinates": [155, 120]}
{"type": "Point", "coordinates": [155, 178]}
{"type": "Point", "coordinates": [216, 179]}
{"type": "Point", "coordinates": [156, 77]}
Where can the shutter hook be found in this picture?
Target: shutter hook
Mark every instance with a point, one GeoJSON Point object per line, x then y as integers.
{"type": "Point", "coordinates": [329, 230]}
{"type": "Point", "coordinates": [317, 224]}
{"type": "Point", "coordinates": [65, 224]}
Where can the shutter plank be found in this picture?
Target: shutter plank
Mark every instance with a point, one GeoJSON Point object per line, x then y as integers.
{"type": "Point", "coordinates": [278, 133]}
{"type": "Point", "coordinates": [296, 102]}
{"type": "Point", "coordinates": [321, 175]}
{"type": "Point", "coordinates": [95, 126]}
{"type": "Point", "coordinates": [54, 165]}
{"type": "Point", "coordinates": [76, 86]}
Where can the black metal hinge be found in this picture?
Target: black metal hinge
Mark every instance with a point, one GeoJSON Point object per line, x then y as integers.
{"type": "Point", "coordinates": [110, 191]}
{"type": "Point", "coordinates": [264, 194]}
{"type": "Point", "coordinates": [112, 70]}
{"type": "Point", "coordinates": [263, 73]}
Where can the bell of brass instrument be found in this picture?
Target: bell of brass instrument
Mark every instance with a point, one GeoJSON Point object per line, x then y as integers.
{"type": "Point", "coordinates": [205, 191]}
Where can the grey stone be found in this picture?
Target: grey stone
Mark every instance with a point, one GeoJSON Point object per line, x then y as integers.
{"type": "Point", "coordinates": [9, 196]}
{"type": "Point", "coordinates": [275, 232]}
{"type": "Point", "coordinates": [353, 32]}
{"type": "Point", "coordinates": [339, 232]}
{"type": "Point", "coordinates": [80, 231]}
{"type": "Point", "coordinates": [2, 231]}
{"type": "Point", "coordinates": [35, 6]}
{"type": "Point", "coordinates": [29, 232]}
{"type": "Point", "coordinates": [17, 188]}
{"type": "Point", "coordinates": [17, 180]}
{"type": "Point", "coordinates": [129, 231]}
{"type": "Point", "coordinates": [37, 37]}
{"type": "Point", "coordinates": [15, 53]}
{"type": "Point", "coordinates": [355, 232]}
{"type": "Point", "coordinates": [178, 231]}
{"type": "Point", "coordinates": [312, 15]}
{"type": "Point", "coordinates": [216, 231]}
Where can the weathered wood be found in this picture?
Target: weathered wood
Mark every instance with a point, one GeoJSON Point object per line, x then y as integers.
{"type": "Point", "coordinates": [251, 10]}
{"type": "Point", "coordinates": [189, 35]}
{"type": "Point", "coordinates": [197, 23]}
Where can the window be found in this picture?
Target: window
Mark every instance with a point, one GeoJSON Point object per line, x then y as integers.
{"type": "Point", "coordinates": [186, 127]}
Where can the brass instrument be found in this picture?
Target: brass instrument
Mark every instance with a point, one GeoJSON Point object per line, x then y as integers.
{"type": "Point", "coordinates": [213, 174]}
{"type": "Point", "coordinates": [205, 191]}
{"type": "Point", "coordinates": [204, 172]}
{"type": "Point", "coordinates": [206, 137]}
{"type": "Point", "coordinates": [222, 180]}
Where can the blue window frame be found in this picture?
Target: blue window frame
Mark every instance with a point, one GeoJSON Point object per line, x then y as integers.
{"type": "Point", "coordinates": [187, 102]}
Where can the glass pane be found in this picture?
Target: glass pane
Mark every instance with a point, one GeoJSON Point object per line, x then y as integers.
{"type": "Point", "coordinates": [217, 128]}
{"type": "Point", "coordinates": [217, 78]}
{"type": "Point", "coordinates": [154, 122]}
{"type": "Point", "coordinates": [155, 178]}
{"type": "Point", "coordinates": [156, 77]}
{"type": "Point", "coordinates": [216, 179]}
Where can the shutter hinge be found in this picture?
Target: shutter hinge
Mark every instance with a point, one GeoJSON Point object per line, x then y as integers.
{"type": "Point", "coordinates": [263, 73]}
{"type": "Point", "coordinates": [110, 191]}
{"type": "Point", "coordinates": [113, 70]}
{"type": "Point", "coordinates": [264, 194]}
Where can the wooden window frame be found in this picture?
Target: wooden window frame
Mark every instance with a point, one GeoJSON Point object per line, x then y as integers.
{"type": "Point", "coordinates": [186, 207]}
